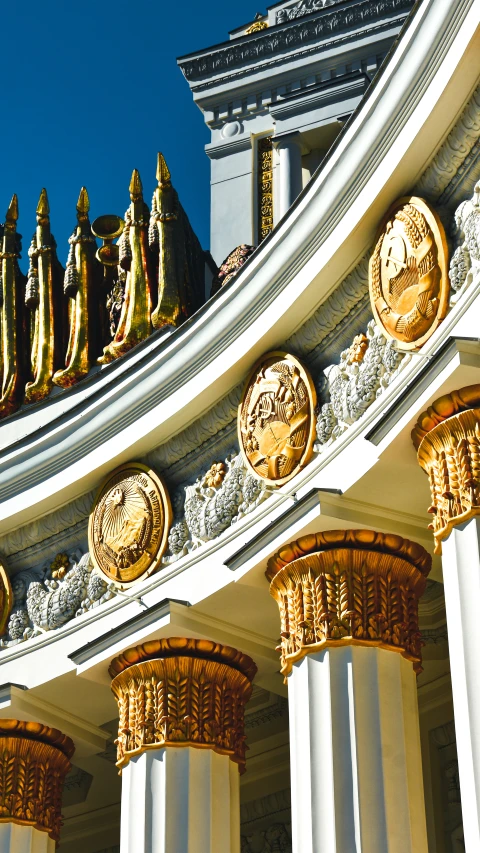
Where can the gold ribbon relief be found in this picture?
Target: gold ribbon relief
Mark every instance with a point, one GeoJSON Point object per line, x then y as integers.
{"type": "Point", "coordinates": [276, 418]}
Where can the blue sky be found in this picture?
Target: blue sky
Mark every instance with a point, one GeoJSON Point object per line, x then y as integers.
{"type": "Point", "coordinates": [91, 90]}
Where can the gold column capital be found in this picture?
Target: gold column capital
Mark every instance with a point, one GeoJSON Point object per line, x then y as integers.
{"type": "Point", "coordinates": [182, 692]}
{"type": "Point", "coordinates": [34, 761]}
{"type": "Point", "coordinates": [348, 587]}
{"type": "Point", "coordinates": [447, 439]}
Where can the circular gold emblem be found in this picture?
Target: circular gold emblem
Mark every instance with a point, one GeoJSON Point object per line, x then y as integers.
{"type": "Point", "coordinates": [408, 276]}
{"type": "Point", "coordinates": [276, 418]}
{"type": "Point", "coordinates": [129, 524]}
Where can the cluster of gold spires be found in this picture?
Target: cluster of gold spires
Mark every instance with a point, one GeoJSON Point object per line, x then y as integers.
{"type": "Point", "coordinates": [56, 324]}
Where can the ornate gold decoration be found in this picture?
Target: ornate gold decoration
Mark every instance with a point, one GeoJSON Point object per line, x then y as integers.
{"type": "Point", "coordinates": [265, 186]}
{"type": "Point", "coordinates": [34, 761]}
{"type": "Point", "coordinates": [108, 227]}
{"type": "Point", "coordinates": [408, 273]}
{"type": "Point", "coordinates": [59, 566]}
{"type": "Point", "coordinates": [81, 286]}
{"type": "Point", "coordinates": [447, 438]}
{"type": "Point", "coordinates": [256, 27]}
{"type": "Point", "coordinates": [182, 692]}
{"type": "Point", "coordinates": [230, 266]}
{"type": "Point", "coordinates": [276, 418]}
{"type": "Point", "coordinates": [6, 598]}
{"type": "Point", "coordinates": [181, 260]}
{"type": "Point", "coordinates": [443, 408]}
{"type": "Point", "coordinates": [135, 320]}
{"type": "Point", "coordinates": [48, 311]}
{"type": "Point", "coordinates": [357, 350]}
{"type": "Point", "coordinates": [348, 587]}
{"type": "Point", "coordinates": [216, 475]}
{"type": "Point", "coordinates": [14, 365]}
{"type": "Point", "coordinates": [129, 524]}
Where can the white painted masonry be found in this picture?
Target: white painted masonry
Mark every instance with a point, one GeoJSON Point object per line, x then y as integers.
{"type": "Point", "coordinates": [356, 770]}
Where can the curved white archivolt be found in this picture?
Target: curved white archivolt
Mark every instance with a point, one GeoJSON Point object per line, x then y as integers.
{"type": "Point", "coordinates": [168, 384]}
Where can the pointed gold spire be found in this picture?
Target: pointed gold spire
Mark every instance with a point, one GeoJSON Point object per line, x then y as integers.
{"type": "Point", "coordinates": [12, 326]}
{"type": "Point", "coordinates": [43, 208]}
{"type": "Point", "coordinates": [136, 188]}
{"type": "Point", "coordinates": [163, 172]}
{"type": "Point", "coordinates": [12, 212]}
{"type": "Point", "coordinates": [83, 203]}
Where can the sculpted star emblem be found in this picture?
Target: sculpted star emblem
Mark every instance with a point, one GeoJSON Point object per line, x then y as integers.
{"type": "Point", "coordinates": [408, 278]}
{"type": "Point", "coordinates": [129, 524]}
{"type": "Point", "coordinates": [276, 423]}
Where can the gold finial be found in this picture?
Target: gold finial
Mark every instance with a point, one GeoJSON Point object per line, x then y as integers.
{"type": "Point", "coordinates": [135, 187]}
{"type": "Point", "coordinates": [12, 212]}
{"type": "Point", "coordinates": [83, 203]}
{"type": "Point", "coordinates": [163, 172]}
{"type": "Point", "coordinates": [43, 208]}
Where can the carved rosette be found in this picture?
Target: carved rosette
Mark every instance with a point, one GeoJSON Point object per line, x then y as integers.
{"type": "Point", "coordinates": [182, 692]}
{"type": "Point", "coordinates": [34, 761]}
{"type": "Point", "coordinates": [348, 587]}
{"type": "Point", "coordinates": [447, 439]}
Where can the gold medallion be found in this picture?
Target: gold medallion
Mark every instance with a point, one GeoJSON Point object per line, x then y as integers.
{"type": "Point", "coordinates": [408, 273]}
{"type": "Point", "coordinates": [276, 418]}
{"type": "Point", "coordinates": [129, 524]}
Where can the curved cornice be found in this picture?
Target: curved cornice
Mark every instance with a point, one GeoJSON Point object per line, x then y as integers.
{"type": "Point", "coordinates": [381, 154]}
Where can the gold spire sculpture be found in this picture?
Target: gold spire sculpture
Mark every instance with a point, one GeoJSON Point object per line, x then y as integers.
{"type": "Point", "coordinates": [13, 333]}
{"type": "Point", "coordinates": [55, 323]}
{"type": "Point", "coordinates": [44, 297]}
{"type": "Point", "coordinates": [135, 320]}
{"type": "Point", "coordinates": [80, 287]}
{"type": "Point", "coordinates": [181, 260]}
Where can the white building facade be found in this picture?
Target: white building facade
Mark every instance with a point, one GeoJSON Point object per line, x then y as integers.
{"type": "Point", "coordinates": [239, 538]}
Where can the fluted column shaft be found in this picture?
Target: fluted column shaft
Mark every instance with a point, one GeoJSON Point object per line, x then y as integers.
{"type": "Point", "coordinates": [180, 800]}
{"type": "Point", "coordinates": [24, 839]}
{"type": "Point", "coordinates": [349, 624]}
{"type": "Point", "coordinates": [181, 744]}
{"type": "Point", "coordinates": [461, 573]}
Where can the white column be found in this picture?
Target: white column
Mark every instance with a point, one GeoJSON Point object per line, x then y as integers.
{"type": "Point", "coordinates": [356, 770]}
{"type": "Point", "coordinates": [180, 800]}
{"type": "Point", "coordinates": [24, 839]}
{"type": "Point", "coordinates": [461, 577]}
{"type": "Point", "coordinates": [289, 148]}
